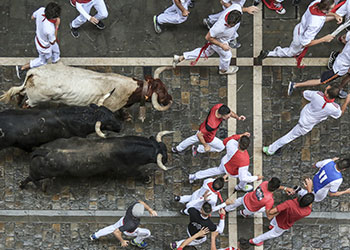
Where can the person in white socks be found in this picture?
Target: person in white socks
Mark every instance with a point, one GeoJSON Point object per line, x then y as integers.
{"type": "Point", "coordinates": [129, 226]}
{"type": "Point", "coordinates": [320, 107]}
{"type": "Point", "coordinates": [234, 164]}
{"type": "Point", "coordinates": [218, 37]}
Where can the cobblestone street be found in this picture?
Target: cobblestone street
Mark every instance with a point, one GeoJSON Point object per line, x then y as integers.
{"type": "Point", "coordinates": [129, 33]}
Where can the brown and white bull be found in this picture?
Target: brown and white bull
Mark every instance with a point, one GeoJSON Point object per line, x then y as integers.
{"type": "Point", "coordinates": [59, 83]}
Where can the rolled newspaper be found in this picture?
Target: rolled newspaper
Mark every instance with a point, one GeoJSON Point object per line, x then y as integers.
{"type": "Point", "coordinates": [341, 28]}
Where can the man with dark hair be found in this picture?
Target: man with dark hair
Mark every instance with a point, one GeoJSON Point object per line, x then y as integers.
{"type": "Point", "coordinates": [243, 244]}
{"type": "Point", "coordinates": [235, 163]}
{"type": "Point", "coordinates": [129, 225]}
{"type": "Point", "coordinates": [84, 8]}
{"type": "Point", "coordinates": [305, 32]}
{"type": "Point", "coordinates": [328, 179]}
{"type": "Point", "coordinates": [340, 67]}
{"type": "Point", "coordinates": [286, 214]}
{"type": "Point", "coordinates": [198, 220]}
{"type": "Point", "coordinates": [207, 131]}
{"type": "Point", "coordinates": [260, 200]}
{"type": "Point", "coordinates": [320, 107]}
{"type": "Point", "coordinates": [210, 192]}
{"type": "Point", "coordinates": [47, 23]}
{"type": "Point", "coordinates": [218, 37]}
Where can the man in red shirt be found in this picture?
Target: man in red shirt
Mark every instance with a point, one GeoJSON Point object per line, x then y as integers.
{"type": "Point", "coordinates": [260, 200]}
{"type": "Point", "coordinates": [235, 163]}
{"type": "Point", "coordinates": [286, 214]}
{"type": "Point", "coordinates": [207, 131]}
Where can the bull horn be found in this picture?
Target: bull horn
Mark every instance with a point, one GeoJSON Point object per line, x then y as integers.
{"type": "Point", "coordinates": [103, 98]}
{"type": "Point", "coordinates": [160, 163]}
{"type": "Point", "coordinates": [98, 130]}
{"type": "Point", "coordinates": [161, 133]}
{"type": "Point", "coordinates": [159, 70]}
{"type": "Point", "coordinates": [156, 104]}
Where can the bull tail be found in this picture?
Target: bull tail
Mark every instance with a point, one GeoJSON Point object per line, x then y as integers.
{"type": "Point", "coordinates": [6, 97]}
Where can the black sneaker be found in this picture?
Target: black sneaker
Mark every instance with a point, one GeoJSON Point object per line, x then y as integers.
{"type": "Point", "coordinates": [21, 74]}
{"type": "Point", "coordinates": [331, 59]}
{"type": "Point", "coordinates": [263, 54]}
{"type": "Point", "coordinates": [74, 31]}
{"type": "Point", "coordinates": [191, 4]}
{"type": "Point", "coordinates": [100, 25]}
{"type": "Point", "coordinates": [175, 151]}
{"type": "Point", "coordinates": [296, 189]}
{"type": "Point", "coordinates": [182, 211]}
{"type": "Point", "coordinates": [176, 198]}
{"type": "Point", "coordinates": [93, 237]}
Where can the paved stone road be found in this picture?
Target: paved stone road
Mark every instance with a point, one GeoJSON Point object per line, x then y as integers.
{"type": "Point", "coordinates": [130, 33]}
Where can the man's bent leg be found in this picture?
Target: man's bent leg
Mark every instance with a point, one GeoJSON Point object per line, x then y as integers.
{"type": "Point", "coordinates": [209, 172]}
{"type": "Point", "coordinates": [187, 142]}
{"type": "Point", "coordinates": [273, 233]}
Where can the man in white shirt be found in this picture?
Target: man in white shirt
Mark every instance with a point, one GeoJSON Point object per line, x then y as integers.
{"type": "Point", "coordinates": [47, 22]}
{"type": "Point", "coordinates": [211, 19]}
{"type": "Point", "coordinates": [341, 67]}
{"type": "Point", "coordinates": [320, 107]}
{"type": "Point", "coordinates": [84, 8]}
{"type": "Point", "coordinates": [328, 179]}
{"type": "Point", "coordinates": [175, 14]}
{"type": "Point", "coordinates": [218, 37]}
{"type": "Point", "coordinates": [305, 32]}
{"type": "Point", "coordinates": [210, 192]}
{"type": "Point", "coordinates": [234, 164]}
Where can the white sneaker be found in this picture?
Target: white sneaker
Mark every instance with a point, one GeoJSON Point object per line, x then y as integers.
{"type": "Point", "coordinates": [248, 188]}
{"type": "Point", "coordinates": [280, 10]}
{"type": "Point", "coordinates": [191, 178]}
{"type": "Point", "coordinates": [231, 70]}
{"type": "Point", "coordinates": [342, 94]}
{"type": "Point", "coordinates": [176, 60]}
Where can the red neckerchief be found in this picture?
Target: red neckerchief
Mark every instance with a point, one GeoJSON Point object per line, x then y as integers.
{"type": "Point", "coordinates": [210, 185]}
{"type": "Point", "coordinates": [326, 100]}
{"type": "Point", "coordinates": [200, 52]}
{"type": "Point", "coordinates": [300, 57]}
{"type": "Point", "coordinates": [314, 10]}
{"type": "Point", "coordinates": [338, 6]}
{"type": "Point", "coordinates": [50, 20]}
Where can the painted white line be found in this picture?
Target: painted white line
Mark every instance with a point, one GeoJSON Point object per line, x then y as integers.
{"type": "Point", "coordinates": [232, 123]}
{"type": "Point", "coordinates": [163, 61]}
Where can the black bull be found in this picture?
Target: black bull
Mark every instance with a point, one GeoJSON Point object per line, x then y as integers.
{"type": "Point", "coordinates": [82, 157]}
{"type": "Point", "coordinates": [26, 129]}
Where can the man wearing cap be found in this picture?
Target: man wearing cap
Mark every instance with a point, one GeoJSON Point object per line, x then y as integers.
{"type": "Point", "coordinates": [320, 107]}
{"type": "Point", "coordinates": [47, 22]}
{"type": "Point", "coordinates": [129, 225]}
{"type": "Point", "coordinates": [207, 132]}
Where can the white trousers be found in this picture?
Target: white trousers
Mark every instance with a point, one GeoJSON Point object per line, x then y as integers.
{"type": "Point", "coordinates": [139, 233]}
{"type": "Point", "coordinates": [290, 136]}
{"type": "Point", "coordinates": [216, 145]}
{"type": "Point", "coordinates": [320, 195]}
{"type": "Point", "coordinates": [173, 14]}
{"type": "Point", "coordinates": [225, 56]}
{"type": "Point", "coordinates": [99, 5]}
{"type": "Point", "coordinates": [220, 170]}
{"type": "Point", "coordinates": [294, 49]}
{"type": "Point", "coordinates": [52, 53]}
{"type": "Point", "coordinates": [240, 202]}
{"type": "Point", "coordinates": [273, 233]}
{"type": "Point", "coordinates": [193, 243]}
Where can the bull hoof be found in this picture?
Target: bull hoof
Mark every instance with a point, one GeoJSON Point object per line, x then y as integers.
{"type": "Point", "coordinates": [22, 185]}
